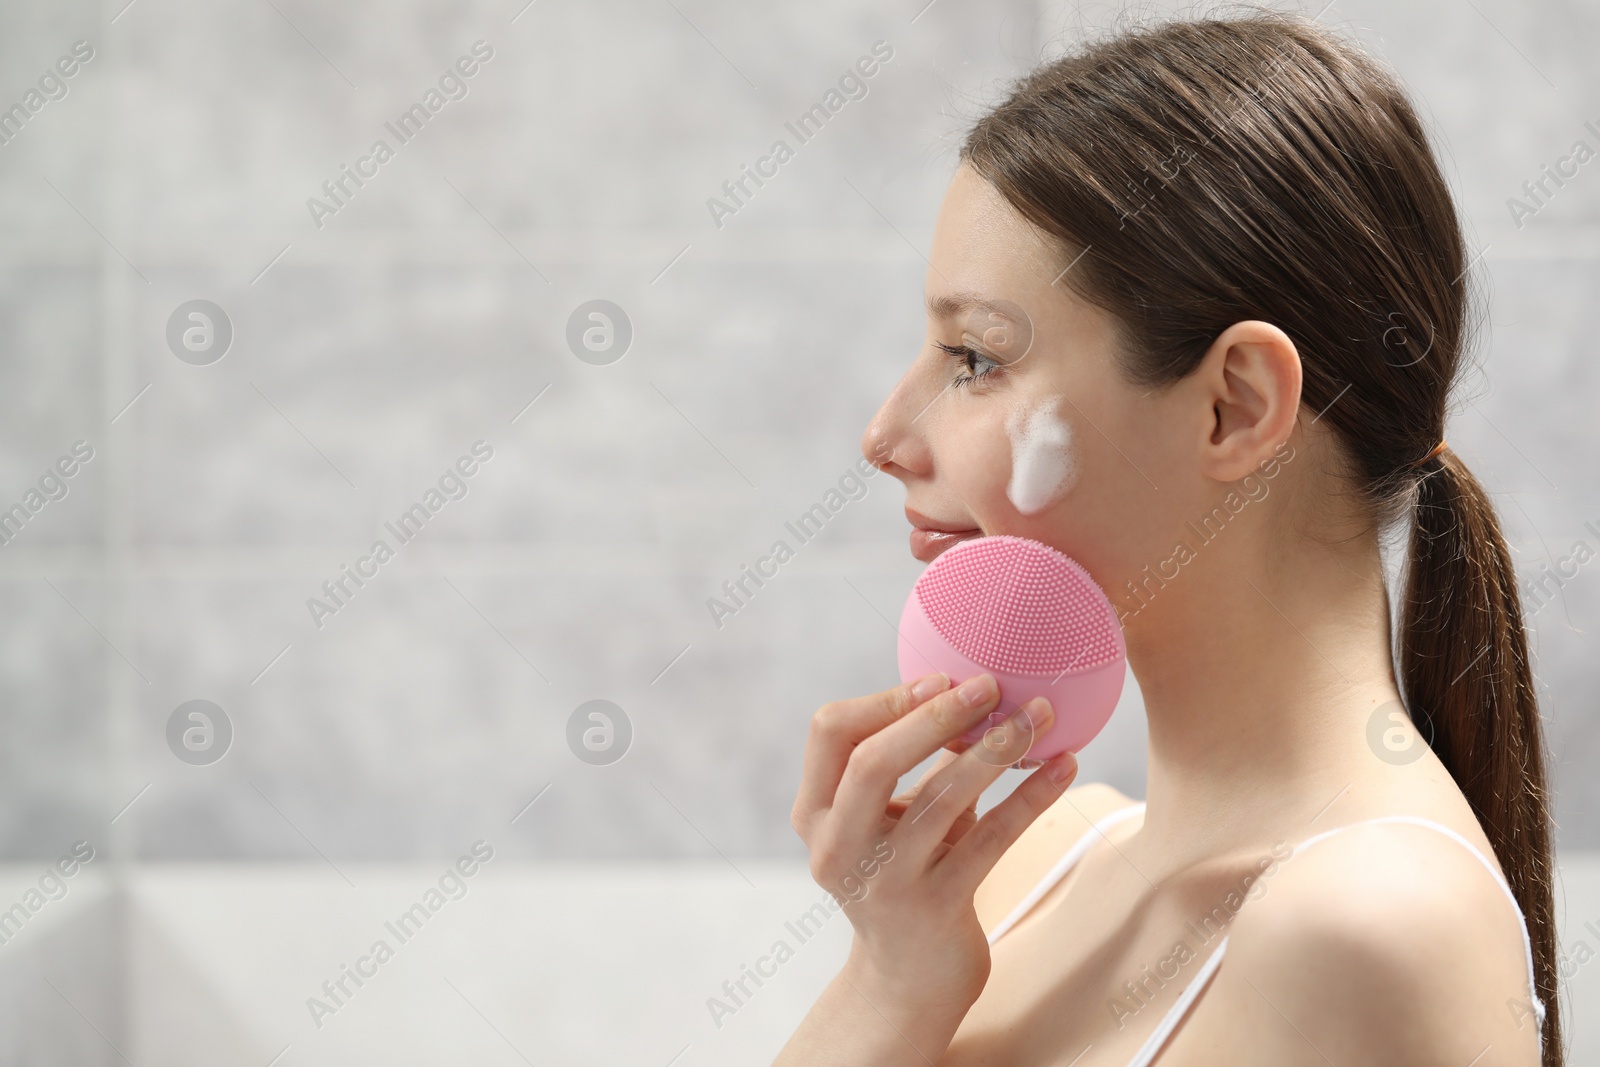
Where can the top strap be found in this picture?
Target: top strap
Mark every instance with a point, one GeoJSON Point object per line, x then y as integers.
{"type": "Point", "coordinates": [1527, 942]}
{"type": "Point", "coordinates": [1158, 1040]}
{"type": "Point", "coordinates": [1062, 866]}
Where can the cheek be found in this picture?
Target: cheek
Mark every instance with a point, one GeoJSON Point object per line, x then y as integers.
{"type": "Point", "coordinates": [972, 454]}
{"type": "Point", "coordinates": [1045, 459]}
{"type": "Point", "coordinates": [983, 475]}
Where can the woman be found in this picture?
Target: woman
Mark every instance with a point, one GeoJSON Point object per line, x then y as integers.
{"type": "Point", "coordinates": [1220, 259]}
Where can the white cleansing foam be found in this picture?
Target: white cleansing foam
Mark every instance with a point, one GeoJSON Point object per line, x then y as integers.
{"type": "Point", "coordinates": [1044, 461]}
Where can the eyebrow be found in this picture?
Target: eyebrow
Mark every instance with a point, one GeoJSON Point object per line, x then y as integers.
{"type": "Point", "coordinates": [952, 305]}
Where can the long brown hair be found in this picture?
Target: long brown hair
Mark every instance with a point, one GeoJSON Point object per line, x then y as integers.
{"type": "Point", "coordinates": [1205, 172]}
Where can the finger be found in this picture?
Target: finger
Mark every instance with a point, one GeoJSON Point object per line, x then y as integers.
{"type": "Point", "coordinates": [959, 828]}
{"type": "Point", "coordinates": [960, 784]}
{"type": "Point", "coordinates": [963, 822]}
{"type": "Point", "coordinates": [879, 762]}
{"type": "Point", "coordinates": [838, 727]}
{"type": "Point", "coordinates": [900, 800]}
{"type": "Point", "coordinates": [971, 859]}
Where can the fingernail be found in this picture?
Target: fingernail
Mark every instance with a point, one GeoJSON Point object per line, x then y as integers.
{"type": "Point", "coordinates": [927, 687]}
{"type": "Point", "coordinates": [1037, 713]}
{"type": "Point", "coordinates": [975, 691]}
{"type": "Point", "coordinates": [1062, 768]}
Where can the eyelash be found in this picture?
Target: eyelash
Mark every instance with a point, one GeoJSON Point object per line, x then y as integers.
{"type": "Point", "coordinates": [966, 353]}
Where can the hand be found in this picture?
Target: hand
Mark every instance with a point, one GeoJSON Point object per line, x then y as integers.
{"type": "Point", "coordinates": [906, 868]}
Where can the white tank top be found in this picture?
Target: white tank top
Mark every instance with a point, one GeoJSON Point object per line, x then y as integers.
{"type": "Point", "coordinates": [1176, 1014]}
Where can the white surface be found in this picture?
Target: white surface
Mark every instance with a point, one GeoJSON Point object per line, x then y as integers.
{"type": "Point", "coordinates": [576, 965]}
{"type": "Point", "coordinates": [581, 965]}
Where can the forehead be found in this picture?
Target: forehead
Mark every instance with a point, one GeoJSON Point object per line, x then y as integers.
{"type": "Point", "coordinates": [988, 266]}
{"type": "Point", "coordinates": [984, 251]}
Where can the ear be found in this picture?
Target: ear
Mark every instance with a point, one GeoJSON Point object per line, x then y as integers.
{"type": "Point", "coordinates": [1251, 374]}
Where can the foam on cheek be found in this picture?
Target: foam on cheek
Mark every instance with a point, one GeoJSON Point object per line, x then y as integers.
{"type": "Point", "coordinates": [1044, 462]}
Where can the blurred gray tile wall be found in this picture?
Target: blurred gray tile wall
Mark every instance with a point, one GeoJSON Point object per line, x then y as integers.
{"type": "Point", "coordinates": [371, 351]}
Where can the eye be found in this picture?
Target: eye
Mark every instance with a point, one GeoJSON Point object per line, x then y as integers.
{"type": "Point", "coordinates": [979, 366]}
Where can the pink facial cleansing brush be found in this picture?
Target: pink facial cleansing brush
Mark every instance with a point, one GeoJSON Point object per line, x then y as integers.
{"type": "Point", "coordinates": [1032, 617]}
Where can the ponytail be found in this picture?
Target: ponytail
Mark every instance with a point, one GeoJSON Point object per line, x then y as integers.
{"type": "Point", "coordinates": [1468, 684]}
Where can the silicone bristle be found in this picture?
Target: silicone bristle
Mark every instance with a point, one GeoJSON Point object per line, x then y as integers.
{"type": "Point", "coordinates": [1014, 604]}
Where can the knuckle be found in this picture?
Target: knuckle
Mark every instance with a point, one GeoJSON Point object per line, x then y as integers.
{"type": "Point", "coordinates": [1039, 800]}
{"type": "Point", "coordinates": [990, 835]}
{"type": "Point", "coordinates": [869, 760]}
{"type": "Point", "coordinates": [828, 719]}
{"type": "Point", "coordinates": [824, 862]}
{"type": "Point", "coordinates": [945, 713]}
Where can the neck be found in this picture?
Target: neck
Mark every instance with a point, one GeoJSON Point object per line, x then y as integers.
{"type": "Point", "coordinates": [1258, 681]}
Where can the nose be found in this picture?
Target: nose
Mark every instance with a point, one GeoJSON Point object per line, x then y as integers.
{"type": "Point", "coordinates": [876, 447]}
{"type": "Point", "coordinates": [893, 440]}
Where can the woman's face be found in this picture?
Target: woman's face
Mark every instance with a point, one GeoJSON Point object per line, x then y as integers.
{"type": "Point", "coordinates": [1035, 433]}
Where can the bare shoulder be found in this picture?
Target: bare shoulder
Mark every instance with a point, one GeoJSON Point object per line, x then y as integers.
{"type": "Point", "coordinates": [1041, 845]}
{"type": "Point", "coordinates": [1385, 943]}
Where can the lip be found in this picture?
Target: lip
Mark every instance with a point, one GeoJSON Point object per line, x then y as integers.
{"type": "Point", "coordinates": [930, 537]}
